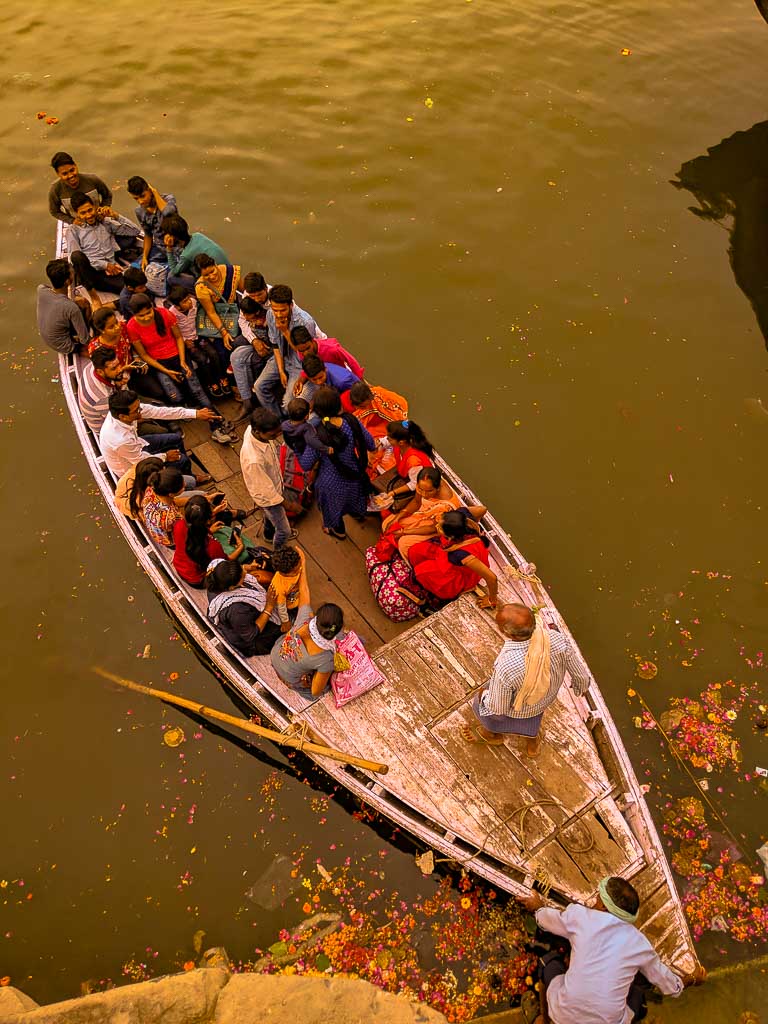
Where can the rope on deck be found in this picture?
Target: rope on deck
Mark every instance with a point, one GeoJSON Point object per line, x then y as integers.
{"type": "Point", "coordinates": [299, 729]}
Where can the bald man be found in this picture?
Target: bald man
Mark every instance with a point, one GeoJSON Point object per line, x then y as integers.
{"type": "Point", "coordinates": [525, 680]}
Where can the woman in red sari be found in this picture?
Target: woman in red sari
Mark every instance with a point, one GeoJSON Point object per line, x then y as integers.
{"type": "Point", "coordinates": [455, 561]}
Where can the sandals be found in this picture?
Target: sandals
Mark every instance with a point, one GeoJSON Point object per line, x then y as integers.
{"type": "Point", "coordinates": [215, 390]}
{"type": "Point", "coordinates": [472, 734]}
{"type": "Point", "coordinates": [334, 533]}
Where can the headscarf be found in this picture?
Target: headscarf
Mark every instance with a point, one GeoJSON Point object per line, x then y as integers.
{"type": "Point", "coordinates": [340, 661]}
{"type": "Point", "coordinates": [537, 668]}
{"type": "Point", "coordinates": [610, 906]}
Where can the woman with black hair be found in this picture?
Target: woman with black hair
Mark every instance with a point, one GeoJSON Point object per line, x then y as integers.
{"type": "Point", "coordinates": [195, 547]}
{"type": "Point", "coordinates": [157, 340]}
{"type": "Point", "coordinates": [455, 560]}
{"type": "Point", "coordinates": [342, 483]}
{"type": "Point", "coordinates": [418, 519]}
{"type": "Point", "coordinates": [241, 609]}
{"type": "Point", "coordinates": [412, 452]}
{"type": "Point", "coordinates": [306, 656]}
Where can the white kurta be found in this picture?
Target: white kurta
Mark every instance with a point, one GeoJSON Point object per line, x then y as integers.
{"type": "Point", "coordinates": [606, 953]}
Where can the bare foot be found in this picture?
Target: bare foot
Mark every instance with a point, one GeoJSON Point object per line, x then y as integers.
{"type": "Point", "coordinates": [472, 734]}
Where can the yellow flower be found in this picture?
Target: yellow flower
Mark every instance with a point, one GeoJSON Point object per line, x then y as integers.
{"type": "Point", "coordinates": [466, 903]}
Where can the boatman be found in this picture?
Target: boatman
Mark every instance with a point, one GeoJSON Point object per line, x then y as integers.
{"type": "Point", "coordinates": [605, 964]}
{"type": "Point", "coordinates": [525, 680]}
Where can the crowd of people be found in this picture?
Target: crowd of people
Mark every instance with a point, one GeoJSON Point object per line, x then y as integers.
{"type": "Point", "coordinates": [166, 326]}
{"type": "Point", "coordinates": [183, 328]}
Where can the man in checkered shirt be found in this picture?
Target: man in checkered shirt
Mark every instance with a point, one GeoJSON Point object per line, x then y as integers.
{"type": "Point", "coordinates": [495, 708]}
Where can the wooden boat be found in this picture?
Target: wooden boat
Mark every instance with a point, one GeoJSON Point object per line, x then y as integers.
{"type": "Point", "coordinates": [563, 820]}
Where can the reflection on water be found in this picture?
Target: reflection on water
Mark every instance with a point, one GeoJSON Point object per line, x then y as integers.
{"type": "Point", "coordinates": [731, 185]}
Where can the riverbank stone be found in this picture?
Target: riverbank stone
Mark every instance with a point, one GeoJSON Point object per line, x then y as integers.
{"type": "Point", "coordinates": [13, 1000]}
{"type": "Point", "coordinates": [188, 998]}
{"type": "Point", "coordinates": [257, 999]}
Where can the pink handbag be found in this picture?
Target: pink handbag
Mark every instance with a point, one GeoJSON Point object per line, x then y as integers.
{"type": "Point", "coordinates": [361, 676]}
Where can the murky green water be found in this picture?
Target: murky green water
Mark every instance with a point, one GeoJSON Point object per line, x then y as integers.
{"type": "Point", "coordinates": [513, 258]}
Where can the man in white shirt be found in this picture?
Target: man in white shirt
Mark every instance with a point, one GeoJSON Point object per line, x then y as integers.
{"type": "Point", "coordinates": [611, 961]}
{"type": "Point", "coordinates": [122, 447]}
{"type": "Point", "coordinates": [260, 463]}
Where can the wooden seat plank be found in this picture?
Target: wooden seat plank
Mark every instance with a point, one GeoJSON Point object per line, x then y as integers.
{"type": "Point", "coordinates": [428, 693]}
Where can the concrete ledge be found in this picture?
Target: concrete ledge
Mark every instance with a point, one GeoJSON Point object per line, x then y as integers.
{"type": "Point", "coordinates": [253, 998]}
{"type": "Point", "coordinates": [212, 996]}
{"type": "Point", "coordinates": [188, 998]}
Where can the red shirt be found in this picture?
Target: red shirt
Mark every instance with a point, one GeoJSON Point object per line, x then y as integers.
{"type": "Point", "coordinates": [182, 563]}
{"type": "Point", "coordinates": [158, 346]}
{"type": "Point", "coordinates": [331, 351]}
{"type": "Point", "coordinates": [122, 347]}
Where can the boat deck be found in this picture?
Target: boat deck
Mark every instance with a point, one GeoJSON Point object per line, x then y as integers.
{"type": "Point", "coordinates": [557, 817]}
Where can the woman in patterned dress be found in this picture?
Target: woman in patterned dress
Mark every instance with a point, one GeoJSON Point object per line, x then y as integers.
{"type": "Point", "coordinates": [342, 483]}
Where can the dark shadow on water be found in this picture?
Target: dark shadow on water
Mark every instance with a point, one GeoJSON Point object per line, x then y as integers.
{"type": "Point", "coordinates": [730, 184]}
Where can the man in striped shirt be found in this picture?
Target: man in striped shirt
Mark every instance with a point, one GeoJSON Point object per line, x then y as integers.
{"type": "Point", "coordinates": [498, 708]}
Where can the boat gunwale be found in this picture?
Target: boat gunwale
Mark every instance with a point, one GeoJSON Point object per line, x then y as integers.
{"type": "Point", "coordinates": [232, 669]}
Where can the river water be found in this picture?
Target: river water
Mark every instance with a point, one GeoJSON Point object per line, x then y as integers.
{"type": "Point", "coordinates": [513, 257]}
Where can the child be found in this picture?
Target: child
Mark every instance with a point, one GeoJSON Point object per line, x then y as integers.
{"type": "Point", "coordinates": [134, 281]}
{"type": "Point", "coordinates": [183, 305]}
{"type": "Point", "coordinates": [288, 564]}
{"type": "Point", "coordinates": [298, 432]}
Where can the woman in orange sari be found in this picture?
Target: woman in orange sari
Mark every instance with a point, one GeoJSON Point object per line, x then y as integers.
{"type": "Point", "coordinates": [419, 519]}
{"type": "Point", "coordinates": [376, 408]}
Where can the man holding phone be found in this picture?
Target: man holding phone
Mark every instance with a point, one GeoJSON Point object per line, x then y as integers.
{"type": "Point", "coordinates": [122, 447]}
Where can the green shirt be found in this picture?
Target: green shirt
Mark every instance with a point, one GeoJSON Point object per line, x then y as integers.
{"type": "Point", "coordinates": [184, 261]}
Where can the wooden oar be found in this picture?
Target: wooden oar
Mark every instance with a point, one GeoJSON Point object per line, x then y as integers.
{"type": "Point", "coordinates": [282, 738]}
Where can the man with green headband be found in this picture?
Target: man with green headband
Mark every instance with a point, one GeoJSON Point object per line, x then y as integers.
{"type": "Point", "coordinates": [603, 977]}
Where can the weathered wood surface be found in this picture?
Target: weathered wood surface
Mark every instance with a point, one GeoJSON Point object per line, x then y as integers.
{"type": "Point", "coordinates": [554, 817]}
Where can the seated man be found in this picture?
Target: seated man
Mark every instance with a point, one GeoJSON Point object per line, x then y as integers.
{"type": "Point", "coordinates": [70, 181]}
{"type": "Point", "coordinates": [61, 321]}
{"type": "Point", "coordinates": [135, 283]}
{"type": "Point", "coordinates": [181, 247]}
{"type": "Point", "coordinates": [611, 961]}
{"type": "Point", "coordinates": [100, 377]}
{"type": "Point", "coordinates": [94, 246]}
{"type": "Point", "coordinates": [153, 207]}
{"type": "Point", "coordinates": [249, 360]}
{"type": "Point", "coordinates": [276, 383]}
{"type": "Point", "coordinates": [316, 374]}
{"type": "Point", "coordinates": [122, 447]}
{"type": "Point", "coordinates": [329, 350]}
{"type": "Point", "coordinates": [256, 288]}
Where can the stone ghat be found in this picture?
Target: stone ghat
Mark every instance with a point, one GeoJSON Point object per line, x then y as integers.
{"type": "Point", "coordinates": [211, 995]}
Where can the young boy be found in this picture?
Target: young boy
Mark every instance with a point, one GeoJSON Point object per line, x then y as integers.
{"type": "Point", "coordinates": [134, 280]}
{"type": "Point", "coordinates": [299, 432]}
{"type": "Point", "coordinates": [288, 563]}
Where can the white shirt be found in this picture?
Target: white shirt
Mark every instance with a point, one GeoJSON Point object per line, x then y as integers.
{"type": "Point", "coordinates": [120, 443]}
{"type": "Point", "coordinates": [606, 953]}
{"type": "Point", "coordinates": [260, 463]}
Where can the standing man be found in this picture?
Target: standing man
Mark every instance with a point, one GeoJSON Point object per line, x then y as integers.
{"type": "Point", "coordinates": [277, 380]}
{"type": "Point", "coordinates": [61, 321]}
{"type": "Point", "coordinates": [612, 964]}
{"type": "Point", "coordinates": [94, 245]}
{"type": "Point", "coordinates": [69, 181]}
{"type": "Point", "coordinates": [260, 463]}
{"type": "Point", "coordinates": [526, 678]}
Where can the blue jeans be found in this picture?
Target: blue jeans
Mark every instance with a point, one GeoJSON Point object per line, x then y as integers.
{"type": "Point", "coordinates": [276, 514]}
{"type": "Point", "coordinates": [269, 390]}
{"type": "Point", "coordinates": [167, 442]}
{"type": "Point", "coordinates": [190, 389]}
{"type": "Point", "coordinates": [247, 367]}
